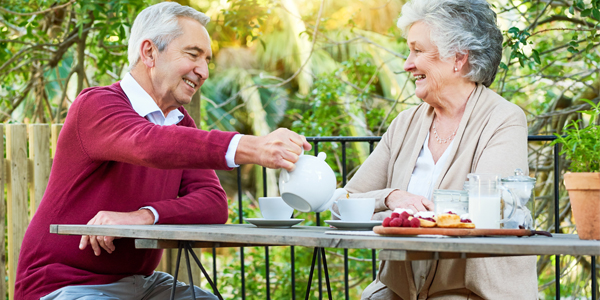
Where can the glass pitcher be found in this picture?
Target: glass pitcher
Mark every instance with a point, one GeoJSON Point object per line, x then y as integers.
{"type": "Point", "coordinates": [485, 201]}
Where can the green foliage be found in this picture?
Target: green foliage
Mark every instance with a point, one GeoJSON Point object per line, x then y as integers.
{"type": "Point", "coordinates": [245, 17]}
{"type": "Point", "coordinates": [45, 43]}
{"type": "Point", "coordinates": [581, 144]}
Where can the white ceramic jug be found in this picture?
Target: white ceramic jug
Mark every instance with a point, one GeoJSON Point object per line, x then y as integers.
{"type": "Point", "coordinates": [311, 186]}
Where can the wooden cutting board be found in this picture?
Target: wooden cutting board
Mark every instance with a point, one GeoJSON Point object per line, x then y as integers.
{"type": "Point", "coordinates": [400, 231]}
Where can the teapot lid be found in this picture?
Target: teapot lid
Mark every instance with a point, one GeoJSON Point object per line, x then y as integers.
{"type": "Point", "coordinates": [518, 177]}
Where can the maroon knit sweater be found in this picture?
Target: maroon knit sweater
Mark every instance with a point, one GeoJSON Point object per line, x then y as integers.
{"type": "Point", "coordinates": [110, 158]}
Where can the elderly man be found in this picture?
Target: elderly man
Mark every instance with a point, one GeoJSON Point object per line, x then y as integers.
{"type": "Point", "coordinates": [129, 153]}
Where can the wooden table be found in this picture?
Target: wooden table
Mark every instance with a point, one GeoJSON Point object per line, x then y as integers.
{"type": "Point", "coordinates": [406, 248]}
{"type": "Point", "coordinates": [394, 248]}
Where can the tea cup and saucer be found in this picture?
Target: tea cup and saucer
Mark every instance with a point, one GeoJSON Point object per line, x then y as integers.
{"type": "Point", "coordinates": [276, 214]}
{"type": "Point", "coordinates": [354, 214]}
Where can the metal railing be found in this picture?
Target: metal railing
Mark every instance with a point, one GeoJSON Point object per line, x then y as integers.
{"type": "Point", "coordinates": [372, 141]}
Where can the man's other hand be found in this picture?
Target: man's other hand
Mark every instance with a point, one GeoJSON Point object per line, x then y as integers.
{"type": "Point", "coordinates": [139, 217]}
{"type": "Point", "coordinates": [279, 149]}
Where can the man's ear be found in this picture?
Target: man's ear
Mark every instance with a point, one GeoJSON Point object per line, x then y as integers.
{"type": "Point", "coordinates": [461, 60]}
{"type": "Point", "coordinates": [148, 53]}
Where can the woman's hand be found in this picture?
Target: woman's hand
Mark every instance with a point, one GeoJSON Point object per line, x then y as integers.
{"type": "Point", "coordinates": [403, 199]}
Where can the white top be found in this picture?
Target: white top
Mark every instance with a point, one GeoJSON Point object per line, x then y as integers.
{"type": "Point", "coordinates": [144, 105]}
{"type": "Point", "coordinates": [424, 176]}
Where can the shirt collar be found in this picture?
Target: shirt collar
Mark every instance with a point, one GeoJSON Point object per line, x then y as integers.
{"type": "Point", "coordinates": [144, 105]}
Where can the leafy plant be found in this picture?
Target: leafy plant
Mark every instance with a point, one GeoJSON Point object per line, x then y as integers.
{"type": "Point", "coordinates": [581, 144]}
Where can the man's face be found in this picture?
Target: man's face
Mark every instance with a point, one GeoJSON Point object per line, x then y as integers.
{"type": "Point", "coordinates": [182, 67]}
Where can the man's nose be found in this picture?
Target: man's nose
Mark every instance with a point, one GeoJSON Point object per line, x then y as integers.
{"type": "Point", "coordinates": [202, 71]}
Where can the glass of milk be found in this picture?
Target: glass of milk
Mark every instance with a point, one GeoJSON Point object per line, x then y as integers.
{"type": "Point", "coordinates": [485, 201]}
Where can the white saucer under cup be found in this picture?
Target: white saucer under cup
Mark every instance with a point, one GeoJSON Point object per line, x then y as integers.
{"type": "Point", "coordinates": [261, 222]}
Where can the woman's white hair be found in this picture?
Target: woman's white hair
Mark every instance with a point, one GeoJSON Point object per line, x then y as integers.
{"type": "Point", "coordinates": [458, 27]}
{"type": "Point", "coordinates": [160, 24]}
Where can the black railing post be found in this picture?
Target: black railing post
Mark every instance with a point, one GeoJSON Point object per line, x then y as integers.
{"type": "Point", "coordinates": [319, 276]}
{"type": "Point", "coordinates": [594, 279]}
{"type": "Point", "coordinates": [214, 254]}
{"type": "Point", "coordinates": [241, 221]}
{"type": "Point", "coordinates": [265, 194]}
{"type": "Point", "coordinates": [373, 252]}
{"type": "Point", "coordinates": [293, 273]}
{"type": "Point", "coordinates": [557, 217]}
{"type": "Point", "coordinates": [344, 174]}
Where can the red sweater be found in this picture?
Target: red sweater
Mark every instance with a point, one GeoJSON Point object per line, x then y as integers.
{"type": "Point", "coordinates": [110, 158]}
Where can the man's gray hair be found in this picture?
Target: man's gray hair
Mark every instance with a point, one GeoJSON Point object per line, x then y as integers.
{"type": "Point", "coordinates": [159, 23]}
{"type": "Point", "coordinates": [458, 27]}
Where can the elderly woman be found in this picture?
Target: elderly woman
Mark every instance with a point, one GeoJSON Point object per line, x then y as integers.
{"type": "Point", "coordinates": [462, 127]}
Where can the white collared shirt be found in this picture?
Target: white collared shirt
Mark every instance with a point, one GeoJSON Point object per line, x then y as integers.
{"type": "Point", "coordinates": [424, 176]}
{"type": "Point", "coordinates": [145, 106]}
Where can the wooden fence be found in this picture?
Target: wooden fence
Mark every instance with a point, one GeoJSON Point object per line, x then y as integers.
{"type": "Point", "coordinates": [29, 153]}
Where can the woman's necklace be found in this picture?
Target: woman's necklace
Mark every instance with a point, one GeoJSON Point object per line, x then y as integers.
{"type": "Point", "coordinates": [437, 137]}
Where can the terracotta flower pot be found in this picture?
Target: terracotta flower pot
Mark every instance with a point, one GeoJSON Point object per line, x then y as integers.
{"type": "Point", "coordinates": [584, 192]}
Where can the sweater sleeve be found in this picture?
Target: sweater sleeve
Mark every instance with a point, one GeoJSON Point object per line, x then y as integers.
{"type": "Point", "coordinates": [108, 129]}
{"type": "Point", "coordinates": [201, 200]}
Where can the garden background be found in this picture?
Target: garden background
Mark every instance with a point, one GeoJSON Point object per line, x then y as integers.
{"type": "Point", "coordinates": [320, 68]}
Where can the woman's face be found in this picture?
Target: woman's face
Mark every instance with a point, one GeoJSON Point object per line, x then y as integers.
{"type": "Point", "coordinates": [423, 62]}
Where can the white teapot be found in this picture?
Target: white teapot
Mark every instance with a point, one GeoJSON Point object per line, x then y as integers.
{"type": "Point", "coordinates": [311, 186]}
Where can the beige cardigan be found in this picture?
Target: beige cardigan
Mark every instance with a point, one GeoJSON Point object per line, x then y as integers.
{"type": "Point", "coordinates": [491, 138]}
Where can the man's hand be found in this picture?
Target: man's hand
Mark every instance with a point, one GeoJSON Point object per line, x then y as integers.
{"type": "Point", "coordinates": [403, 199]}
{"type": "Point", "coordinates": [140, 217]}
{"type": "Point", "coordinates": [279, 149]}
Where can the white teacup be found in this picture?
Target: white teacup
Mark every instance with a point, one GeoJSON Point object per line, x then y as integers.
{"type": "Point", "coordinates": [274, 208]}
{"type": "Point", "coordinates": [355, 209]}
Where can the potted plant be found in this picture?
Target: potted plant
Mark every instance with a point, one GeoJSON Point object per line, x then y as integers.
{"type": "Point", "coordinates": [581, 145]}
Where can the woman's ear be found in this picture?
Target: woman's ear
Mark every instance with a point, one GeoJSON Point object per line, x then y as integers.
{"type": "Point", "coordinates": [461, 61]}
{"type": "Point", "coordinates": [148, 53]}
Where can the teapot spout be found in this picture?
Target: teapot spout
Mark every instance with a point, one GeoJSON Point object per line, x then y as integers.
{"type": "Point", "coordinates": [336, 194]}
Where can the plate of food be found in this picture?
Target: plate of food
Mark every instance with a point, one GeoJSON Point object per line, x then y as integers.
{"type": "Point", "coordinates": [449, 224]}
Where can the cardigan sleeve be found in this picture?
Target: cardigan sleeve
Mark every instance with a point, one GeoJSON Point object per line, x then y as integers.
{"type": "Point", "coordinates": [506, 149]}
{"type": "Point", "coordinates": [108, 129]}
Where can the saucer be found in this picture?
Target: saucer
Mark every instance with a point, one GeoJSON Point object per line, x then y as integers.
{"type": "Point", "coordinates": [350, 225]}
{"type": "Point", "coordinates": [261, 222]}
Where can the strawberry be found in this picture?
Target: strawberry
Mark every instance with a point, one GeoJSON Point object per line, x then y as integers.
{"type": "Point", "coordinates": [406, 223]}
{"type": "Point", "coordinates": [415, 223]}
{"type": "Point", "coordinates": [386, 222]}
{"type": "Point", "coordinates": [397, 222]}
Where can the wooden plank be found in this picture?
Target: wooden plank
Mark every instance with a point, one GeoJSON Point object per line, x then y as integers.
{"type": "Point", "coordinates": [170, 244]}
{"type": "Point", "coordinates": [16, 145]}
{"type": "Point", "coordinates": [403, 255]}
{"type": "Point", "coordinates": [3, 180]}
{"type": "Point", "coordinates": [39, 155]}
{"type": "Point", "coordinates": [56, 128]}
